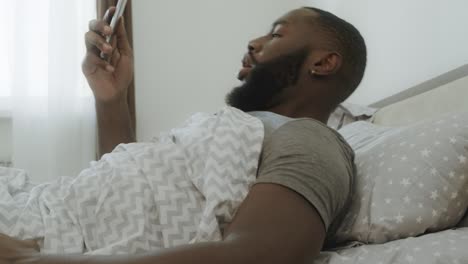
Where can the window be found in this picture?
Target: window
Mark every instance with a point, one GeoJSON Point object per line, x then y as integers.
{"type": "Point", "coordinates": [6, 18]}
{"type": "Point", "coordinates": [31, 32]}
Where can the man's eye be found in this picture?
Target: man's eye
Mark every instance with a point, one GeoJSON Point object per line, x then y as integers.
{"type": "Point", "coordinates": [275, 35]}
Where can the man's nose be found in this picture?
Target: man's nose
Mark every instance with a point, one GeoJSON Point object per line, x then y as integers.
{"type": "Point", "coordinates": [255, 45]}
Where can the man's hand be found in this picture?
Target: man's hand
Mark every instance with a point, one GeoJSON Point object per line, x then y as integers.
{"type": "Point", "coordinates": [109, 79]}
{"type": "Point", "coordinates": [17, 251]}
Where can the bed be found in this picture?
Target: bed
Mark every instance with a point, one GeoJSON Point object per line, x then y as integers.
{"type": "Point", "coordinates": [412, 218]}
{"type": "Point", "coordinates": [410, 192]}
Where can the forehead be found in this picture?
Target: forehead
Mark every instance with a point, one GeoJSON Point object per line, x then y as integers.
{"type": "Point", "coordinates": [299, 18]}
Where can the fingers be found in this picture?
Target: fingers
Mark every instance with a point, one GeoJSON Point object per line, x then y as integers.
{"type": "Point", "coordinates": [93, 63]}
{"type": "Point", "coordinates": [109, 13]}
{"type": "Point", "coordinates": [99, 30]}
{"type": "Point", "coordinates": [96, 42]}
{"type": "Point", "coordinates": [31, 244]}
{"type": "Point", "coordinates": [100, 26]}
{"type": "Point", "coordinates": [26, 244]}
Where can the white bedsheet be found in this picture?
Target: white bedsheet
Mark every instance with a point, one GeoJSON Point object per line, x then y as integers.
{"type": "Point", "coordinates": [182, 188]}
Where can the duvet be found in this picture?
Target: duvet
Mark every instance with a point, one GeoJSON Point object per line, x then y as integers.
{"type": "Point", "coordinates": [183, 187]}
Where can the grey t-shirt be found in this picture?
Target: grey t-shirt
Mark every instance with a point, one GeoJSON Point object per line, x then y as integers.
{"type": "Point", "coordinates": [310, 158]}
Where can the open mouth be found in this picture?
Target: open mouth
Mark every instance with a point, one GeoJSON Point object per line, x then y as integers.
{"type": "Point", "coordinates": [247, 65]}
{"type": "Point", "coordinates": [243, 73]}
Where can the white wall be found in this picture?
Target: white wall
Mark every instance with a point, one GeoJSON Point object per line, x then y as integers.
{"type": "Point", "coordinates": [187, 54]}
{"type": "Point", "coordinates": [408, 41]}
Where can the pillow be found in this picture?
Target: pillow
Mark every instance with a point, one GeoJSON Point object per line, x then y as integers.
{"type": "Point", "coordinates": [410, 180]}
{"type": "Point", "coordinates": [347, 113]}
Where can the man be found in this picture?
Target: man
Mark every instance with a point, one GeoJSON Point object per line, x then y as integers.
{"type": "Point", "coordinates": [293, 78]}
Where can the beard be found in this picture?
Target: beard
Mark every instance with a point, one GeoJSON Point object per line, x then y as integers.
{"type": "Point", "coordinates": [266, 82]}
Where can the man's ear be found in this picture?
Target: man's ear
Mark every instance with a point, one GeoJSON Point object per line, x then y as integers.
{"type": "Point", "coordinates": [324, 63]}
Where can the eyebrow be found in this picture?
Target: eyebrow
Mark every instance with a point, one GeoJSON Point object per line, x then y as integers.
{"type": "Point", "coordinates": [279, 22]}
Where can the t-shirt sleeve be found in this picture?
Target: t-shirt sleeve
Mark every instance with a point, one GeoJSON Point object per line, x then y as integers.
{"type": "Point", "coordinates": [312, 160]}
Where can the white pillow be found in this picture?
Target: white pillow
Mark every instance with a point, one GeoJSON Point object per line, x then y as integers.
{"type": "Point", "coordinates": [410, 180]}
{"type": "Point", "coordinates": [347, 113]}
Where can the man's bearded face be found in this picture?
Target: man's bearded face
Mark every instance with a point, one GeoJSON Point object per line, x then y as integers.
{"type": "Point", "coordinates": [266, 82]}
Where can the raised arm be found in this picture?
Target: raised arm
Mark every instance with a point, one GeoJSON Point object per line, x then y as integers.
{"type": "Point", "coordinates": [109, 80]}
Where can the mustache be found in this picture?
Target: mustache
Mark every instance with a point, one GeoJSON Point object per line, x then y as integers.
{"type": "Point", "coordinates": [252, 58]}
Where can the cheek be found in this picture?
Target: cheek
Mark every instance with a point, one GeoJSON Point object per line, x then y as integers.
{"type": "Point", "coordinates": [278, 47]}
{"type": "Point", "coordinates": [271, 51]}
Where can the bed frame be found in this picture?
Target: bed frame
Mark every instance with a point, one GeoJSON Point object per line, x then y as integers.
{"type": "Point", "coordinates": [443, 94]}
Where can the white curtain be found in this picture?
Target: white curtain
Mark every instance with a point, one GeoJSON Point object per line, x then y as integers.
{"type": "Point", "coordinates": [52, 109]}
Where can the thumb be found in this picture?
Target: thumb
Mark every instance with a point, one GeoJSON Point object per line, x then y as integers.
{"type": "Point", "coordinates": [32, 244]}
{"type": "Point", "coordinates": [122, 38]}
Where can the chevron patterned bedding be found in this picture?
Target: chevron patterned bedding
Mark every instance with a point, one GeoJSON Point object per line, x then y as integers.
{"type": "Point", "coordinates": [183, 187]}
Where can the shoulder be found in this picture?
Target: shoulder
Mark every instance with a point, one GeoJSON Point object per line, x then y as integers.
{"type": "Point", "coordinates": [313, 160]}
{"type": "Point", "coordinates": [308, 136]}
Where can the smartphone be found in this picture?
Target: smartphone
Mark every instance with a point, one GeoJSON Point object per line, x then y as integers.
{"type": "Point", "coordinates": [119, 10]}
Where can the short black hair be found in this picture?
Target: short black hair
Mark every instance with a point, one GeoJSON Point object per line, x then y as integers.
{"type": "Point", "coordinates": [350, 44]}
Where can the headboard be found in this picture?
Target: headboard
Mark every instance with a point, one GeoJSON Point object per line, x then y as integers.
{"type": "Point", "coordinates": [443, 94]}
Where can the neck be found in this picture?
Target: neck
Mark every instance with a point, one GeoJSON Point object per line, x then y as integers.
{"type": "Point", "coordinates": [300, 104]}
{"type": "Point", "coordinates": [295, 111]}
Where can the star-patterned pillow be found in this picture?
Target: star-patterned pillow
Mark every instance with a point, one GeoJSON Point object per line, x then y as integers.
{"type": "Point", "coordinates": [410, 180]}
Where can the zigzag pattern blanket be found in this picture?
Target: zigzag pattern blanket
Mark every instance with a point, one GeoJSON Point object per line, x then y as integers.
{"type": "Point", "coordinates": [181, 188]}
